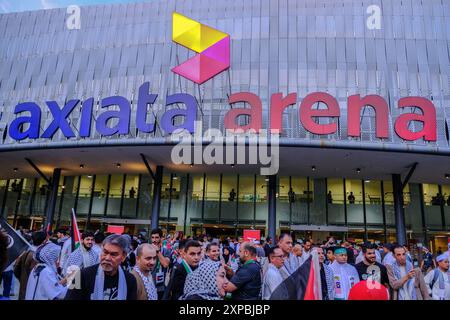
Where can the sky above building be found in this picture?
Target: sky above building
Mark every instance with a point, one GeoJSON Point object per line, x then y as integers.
{"type": "Point", "coordinates": [7, 6]}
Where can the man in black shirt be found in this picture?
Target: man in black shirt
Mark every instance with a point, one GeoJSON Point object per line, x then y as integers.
{"type": "Point", "coordinates": [246, 282]}
{"type": "Point", "coordinates": [191, 258]}
{"type": "Point", "coordinates": [106, 281]}
{"type": "Point", "coordinates": [370, 269]}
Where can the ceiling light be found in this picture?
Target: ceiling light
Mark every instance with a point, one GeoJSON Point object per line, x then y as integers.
{"type": "Point", "coordinates": [82, 166]}
{"type": "Point", "coordinates": [15, 169]}
{"type": "Point", "coordinates": [313, 168]}
{"type": "Point", "coordinates": [90, 176]}
{"type": "Point", "coordinates": [358, 170]}
{"type": "Point", "coordinates": [118, 165]}
{"type": "Point", "coordinates": [447, 176]}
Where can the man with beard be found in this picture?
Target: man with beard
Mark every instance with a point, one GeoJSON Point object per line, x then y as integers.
{"type": "Point", "coordinates": [84, 256]}
{"type": "Point", "coordinates": [370, 269]}
{"type": "Point", "coordinates": [145, 263]}
{"type": "Point", "coordinates": [406, 281]}
{"type": "Point", "coordinates": [246, 282]}
{"type": "Point", "coordinates": [106, 281]}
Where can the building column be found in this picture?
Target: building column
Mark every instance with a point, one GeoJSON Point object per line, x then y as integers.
{"type": "Point", "coordinates": [398, 209]}
{"type": "Point", "coordinates": [50, 213]}
{"type": "Point", "coordinates": [156, 202]}
{"type": "Point", "coordinates": [272, 197]}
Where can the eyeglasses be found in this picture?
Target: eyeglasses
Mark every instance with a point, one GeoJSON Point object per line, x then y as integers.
{"type": "Point", "coordinates": [280, 256]}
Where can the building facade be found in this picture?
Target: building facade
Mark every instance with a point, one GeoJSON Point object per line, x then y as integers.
{"type": "Point", "coordinates": [379, 185]}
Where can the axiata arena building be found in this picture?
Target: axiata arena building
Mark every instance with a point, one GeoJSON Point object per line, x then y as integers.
{"type": "Point", "coordinates": [86, 117]}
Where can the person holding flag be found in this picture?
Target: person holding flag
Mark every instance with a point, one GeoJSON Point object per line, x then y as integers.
{"type": "Point", "coordinates": [345, 275]}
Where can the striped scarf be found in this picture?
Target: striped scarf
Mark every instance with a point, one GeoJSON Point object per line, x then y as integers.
{"type": "Point", "coordinates": [409, 284]}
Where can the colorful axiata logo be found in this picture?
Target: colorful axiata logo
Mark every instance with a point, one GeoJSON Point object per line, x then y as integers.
{"type": "Point", "coordinates": [212, 46]}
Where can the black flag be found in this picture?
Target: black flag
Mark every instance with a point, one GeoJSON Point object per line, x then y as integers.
{"type": "Point", "coordinates": [17, 244]}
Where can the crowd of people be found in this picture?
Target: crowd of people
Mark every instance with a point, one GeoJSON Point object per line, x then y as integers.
{"type": "Point", "coordinates": [175, 267]}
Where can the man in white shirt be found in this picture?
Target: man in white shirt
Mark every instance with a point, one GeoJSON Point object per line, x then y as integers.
{"type": "Point", "coordinates": [345, 275]}
{"type": "Point", "coordinates": [438, 280]}
{"type": "Point", "coordinates": [272, 277]}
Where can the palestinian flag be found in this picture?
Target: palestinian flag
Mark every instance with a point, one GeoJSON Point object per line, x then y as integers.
{"type": "Point", "coordinates": [74, 232]}
{"type": "Point", "coordinates": [302, 284]}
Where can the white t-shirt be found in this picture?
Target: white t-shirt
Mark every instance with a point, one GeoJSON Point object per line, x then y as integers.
{"type": "Point", "coordinates": [436, 292]}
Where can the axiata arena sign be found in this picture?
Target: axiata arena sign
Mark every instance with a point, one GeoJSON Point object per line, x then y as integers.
{"type": "Point", "coordinates": [27, 124]}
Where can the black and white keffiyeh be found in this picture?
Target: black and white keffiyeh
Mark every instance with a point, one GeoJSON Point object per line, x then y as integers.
{"type": "Point", "coordinates": [148, 284]}
{"type": "Point", "coordinates": [47, 255]}
{"type": "Point", "coordinates": [82, 258]}
{"type": "Point", "coordinates": [202, 282]}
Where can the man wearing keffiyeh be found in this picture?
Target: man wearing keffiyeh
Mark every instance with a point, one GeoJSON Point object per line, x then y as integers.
{"type": "Point", "coordinates": [438, 280]}
{"type": "Point", "coordinates": [84, 256]}
{"type": "Point", "coordinates": [146, 262]}
{"type": "Point", "coordinates": [406, 281]}
{"type": "Point", "coordinates": [107, 280]}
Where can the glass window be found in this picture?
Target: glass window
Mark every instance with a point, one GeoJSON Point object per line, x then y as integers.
{"type": "Point", "coordinates": [285, 196]}
{"type": "Point", "coordinates": [130, 196]}
{"type": "Point", "coordinates": [115, 195]}
{"type": "Point", "coordinates": [335, 199]}
{"type": "Point", "coordinates": [374, 210]}
{"type": "Point", "coordinates": [262, 183]}
{"type": "Point", "coordinates": [317, 194]}
{"type": "Point", "coordinates": [179, 184]}
{"type": "Point", "coordinates": [70, 192]}
{"type": "Point", "coordinates": [212, 196]}
{"type": "Point", "coordinates": [39, 202]}
{"type": "Point", "coordinates": [165, 196]}
{"type": "Point", "coordinates": [300, 199]}
{"type": "Point", "coordinates": [194, 212]}
{"type": "Point", "coordinates": [85, 195]}
{"type": "Point", "coordinates": [246, 197]}
{"type": "Point", "coordinates": [229, 198]}
{"type": "Point", "coordinates": [446, 193]}
{"type": "Point", "coordinates": [3, 184]}
{"type": "Point", "coordinates": [99, 195]}
{"type": "Point", "coordinates": [354, 202]}
{"type": "Point", "coordinates": [433, 201]}
{"type": "Point", "coordinates": [26, 197]}
{"type": "Point", "coordinates": [145, 197]}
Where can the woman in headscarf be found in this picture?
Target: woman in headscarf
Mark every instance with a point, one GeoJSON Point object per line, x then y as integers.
{"type": "Point", "coordinates": [229, 259]}
{"type": "Point", "coordinates": [43, 282]}
{"type": "Point", "coordinates": [206, 282]}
